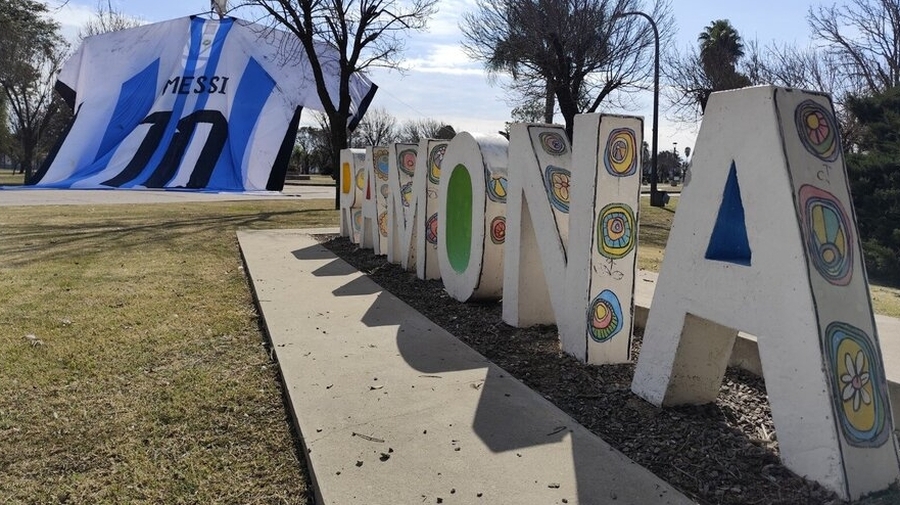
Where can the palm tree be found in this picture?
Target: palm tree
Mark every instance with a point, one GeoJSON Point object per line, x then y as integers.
{"type": "Point", "coordinates": [720, 49]}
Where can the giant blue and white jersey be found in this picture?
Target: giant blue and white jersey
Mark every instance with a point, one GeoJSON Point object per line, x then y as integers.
{"type": "Point", "coordinates": [189, 103]}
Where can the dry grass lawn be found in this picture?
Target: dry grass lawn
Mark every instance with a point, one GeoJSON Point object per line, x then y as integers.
{"type": "Point", "coordinates": [133, 368]}
{"type": "Point", "coordinates": [653, 233]}
{"type": "Point", "coordinates": [8, 179]}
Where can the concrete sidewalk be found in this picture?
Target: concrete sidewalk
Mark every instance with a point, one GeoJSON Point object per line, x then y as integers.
{"type": "Point", "coordinates": [392, 409]}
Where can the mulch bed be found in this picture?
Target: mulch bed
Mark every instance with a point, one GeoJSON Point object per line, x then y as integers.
{"type": "Point", "coordinates": [720, 453]}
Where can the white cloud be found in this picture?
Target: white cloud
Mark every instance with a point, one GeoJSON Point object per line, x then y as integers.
{"type": "Point", "coordinates": [72, 17]}
{"type": "Point", "coordinates": [446, 22]}
{"type": "Point", "coordinates": [443, 59]}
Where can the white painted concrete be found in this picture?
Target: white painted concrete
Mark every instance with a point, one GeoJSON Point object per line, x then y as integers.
{"type": "Point", "coordinates": [482, 160]}
{"type": "Point", "coordinates": [403, 164]}
{"type": "Point", "coordinates": [352, 166]}
{"type": "Point", "coordinates": [375, 207]}
{"type": "Point", "coordinates": [572, 230]}
{"type": "Point", "coordinates": [700, 304]}
{"type": "Point", "coordinates": [425, 193]}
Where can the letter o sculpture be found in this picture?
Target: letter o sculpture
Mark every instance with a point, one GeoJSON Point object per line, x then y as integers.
{"type": "Point", "coordinates": [471, 200]}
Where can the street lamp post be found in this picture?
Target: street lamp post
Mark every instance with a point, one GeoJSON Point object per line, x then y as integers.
{"type": "Point", "coordinates": [657, 198]}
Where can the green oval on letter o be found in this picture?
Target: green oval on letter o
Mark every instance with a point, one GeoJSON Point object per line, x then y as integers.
{"type": "Point", "coordinates": [458, 218]}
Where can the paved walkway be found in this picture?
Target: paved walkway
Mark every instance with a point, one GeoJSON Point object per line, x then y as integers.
{"type": "Point", "coordinates": [393, 409]}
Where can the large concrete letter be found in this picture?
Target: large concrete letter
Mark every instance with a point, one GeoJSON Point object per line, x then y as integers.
{"type": "Point", "coordinates": [400, 205]}
{"type": "Point", "coordinates": [375, 206]}
{"type": "Point", "coordinates": [425, 194]}
{"type": "Point", "coordinates": [571, 233]}
{"type": "Point", "coordinates": [765, 241]}
{"type": "Point", "coordinates": [472, 210]}
{"type": "Point", "coordinates": [603, 237]}
{"type": "Point", "coordinates": [352, 192]}
{"type": "Point", "coordinates": [537, 225]}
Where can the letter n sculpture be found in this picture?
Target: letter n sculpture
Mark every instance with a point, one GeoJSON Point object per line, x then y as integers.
{"type": "Point", "coordinates": [572, 233]}
{"type": "Point", "coordinates": [765, 241]}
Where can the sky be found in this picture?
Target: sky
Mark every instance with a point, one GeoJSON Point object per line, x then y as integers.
{"type": "Point", "coordinates": [442, 83]}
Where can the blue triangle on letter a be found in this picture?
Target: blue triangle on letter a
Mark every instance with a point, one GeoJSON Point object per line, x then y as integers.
{"type": "Point", "coordinates": [729, 237]}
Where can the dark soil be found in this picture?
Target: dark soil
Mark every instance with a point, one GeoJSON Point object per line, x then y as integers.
{"type": "Point", "coordinates": [721, 453]}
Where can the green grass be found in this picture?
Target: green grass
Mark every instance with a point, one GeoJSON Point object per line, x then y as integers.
{"type": "Point", "coordinates": [149, 382]}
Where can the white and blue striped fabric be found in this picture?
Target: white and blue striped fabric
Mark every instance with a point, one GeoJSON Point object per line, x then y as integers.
{"type": "Point", "coordinates": [191, 103]}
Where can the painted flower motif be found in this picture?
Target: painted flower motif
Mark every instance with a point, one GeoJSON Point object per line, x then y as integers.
{"type": "Point", "coordinates": [855, 381]}
{"type": "Point", "coordinates": [817, 127]}
{"type": "Point", "coordinates": [561, 186]}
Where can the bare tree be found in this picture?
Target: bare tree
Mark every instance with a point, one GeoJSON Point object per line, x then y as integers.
{"type": "Point", "coordinates": [377, 128]}
{"type": "Point", "coordinates": [720, 62]}
{"type": "Point", "coordinates": [793, 67]}
{"type": "Point", "coordinates": [862, 39]}
{"type": "Point", "coordinates": [814, 69]}
{"type": "Point", "coordinates": [580, 51]}
{"type": "Point", "coordinates": [31, 51]}
{"type": "Point", "coordinates": [414, 130]}
{"type": "Point", "coordinates": [34, 107]}
{"type": "Point", "coordinates": [529, 112]}
{"type": "Point", "coordinates": [107, 19]}
{"type": "Point", "coordinates": [313, 146]}
{"type": "Point", "coordinates": [365, 33]}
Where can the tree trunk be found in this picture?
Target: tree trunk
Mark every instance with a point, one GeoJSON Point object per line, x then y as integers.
{"type": "Point", "coordinates": [28, 169]}
{"type": "Point", "coordinates": [568, 107]}
{"type": "Point", "coordinates": [340, 139]}
{"type": "Point", "coordinates": [27, 161]}
{"type": "Point", "coordinates": [549, 103]}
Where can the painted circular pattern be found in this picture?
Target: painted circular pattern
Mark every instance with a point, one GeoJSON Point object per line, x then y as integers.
{"type": "Point", "coordinates": [818, 130]}
{"type": "Point", "coordinates": [553, 143]}
{"type": "Point", "coordinates": [615, 231]}
{"type": "Point", "coordinates": [604, 316]}
{"type": "Point", "coordinates": [382, 223]}
{"type": "Point", "coordinates": [381, 165]}
{"type": "Point", "coordinates": [385, 190]}
{"type": "Point", "coordinates": [357, 220]}
{"type": "Point", "coordinates": [434, 163]}
{"type": "Point", "coordinates": [621, 157]}
{"type": "Point", "coordinates": [859, 388]}
{"type": "Point", "coordinates": [496, 188]}
{"type": "Point", "coordinates": [556, 182]}
{"type": "Point", "coordinates": [360, 179]}
{"type": "Point", "coordinates": [406, 193]}
{"type": "Point", "coordinates": [431, 229]}
{"type": "Point", "coordinates": [346, 178]}
{"type": "Point", "coordinates": [498, 230]}
{"type": "Point", "coordinates": [406, 160]}
{"type": "Point", "coordinates": [827, 233]}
